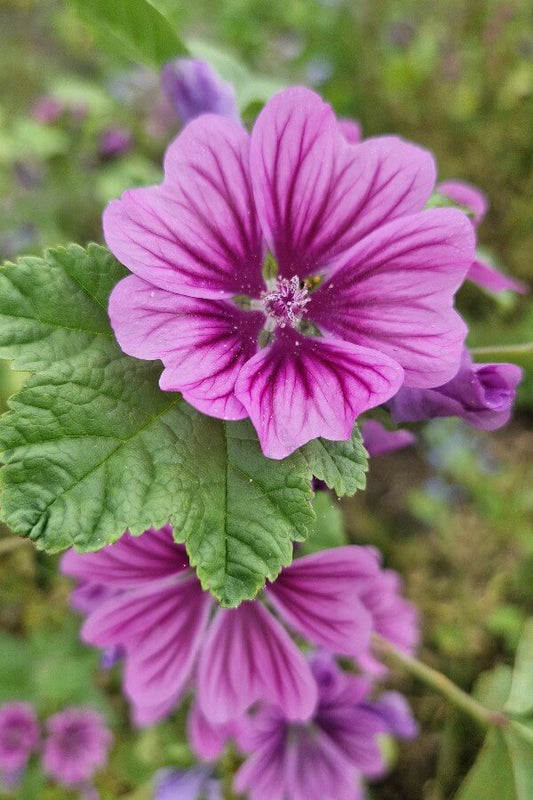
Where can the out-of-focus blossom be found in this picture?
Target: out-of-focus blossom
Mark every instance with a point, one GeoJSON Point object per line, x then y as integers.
{"type": "Point", "coordinates": [165, 623]}
{"type": "Point", "coordinates": [394, 709]}
{"type": "Point", "coordinates": [254, 245]}
{"type": "Point", "coordinates": [77, 745]}
{"type": "Point", "coordinates": [485, 275]}
{"type": "Point", "coordinates": [47, 110]}
{"type": "Point", "coordinates": [351, 130]}
{"type": "Point", "coordinates": [192, 87]}
{"type": "Point", "coordinates": [188, 784]}
{"type": "Point", "coordinates": [480, 394]}
{"type": "Point", "coordinates": [378, 440]}
{"type": "Point", "coordinates": [325, 758]}
{"type": "Point", "coordinates": [115, 142]}
{"type": "Point", "coordinates": [19, 736]}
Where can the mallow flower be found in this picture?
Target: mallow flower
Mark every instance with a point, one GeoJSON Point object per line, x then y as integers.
{"type": "Point", "coordinates": [192, 87]}
{"type": "Point", "coordinates": [76, 746]}
{"type": "Point", "coordinates": [485, 275]}
{"type": "Point", "coordinates": [480, 394]}
{"type": "Point", "coordinates": [328, 756]}
{"type": "Point", "coordinates": [187, 784]}
{"type": "Point", "coordinates": [378, 440]}
{"type": "Point", "coordinates": [19, 737]}
{"type": "Point", "coordinates": [290, 276]}
{"type": "Point", "coordinates": [172, 632]}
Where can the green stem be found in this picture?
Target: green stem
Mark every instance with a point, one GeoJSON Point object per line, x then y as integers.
{"type": "Point", "coordinates": [440, 683]}
{"type": "Point", "coordinates": [228, 766]}
{"type": "Point", "coordinates": [503, 350]}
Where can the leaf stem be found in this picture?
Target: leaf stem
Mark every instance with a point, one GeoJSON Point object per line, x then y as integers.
{"type": "Point", "coordinates": [439, 683]}
{"type": "Point", "coordinates": [503, 350]}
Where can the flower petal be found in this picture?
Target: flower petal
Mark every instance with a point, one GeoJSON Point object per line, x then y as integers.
{"type": "Point", "coordinates": [495, 281]}
{"type": "Point", "coordinates": [196, 234]}
{"type": "Point", "coordinates": [316, 194]}
{"type": "Point", "coordinates": [319, 596]}
{"type": "Point", "coordinates": [160, 626]}
{"type": "Point", "coordinates": [202, 343]}
{"type": "Point", "coordinates": [247, 656]}
{"type": "Point", "coordinates": [378, 440]}
{"type": "Point", "coordinates": [467, 195]}
{"type": "Point", "coordinates": [394, 292]}
{"type": "Point", "coordinates": [131, 561]}
{"type": "Point", "coordinates": [304, 387]}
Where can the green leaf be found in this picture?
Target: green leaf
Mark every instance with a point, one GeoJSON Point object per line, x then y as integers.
{"type": "Point", "coordinates": [328, 528]}
{"type": "Point", "coordinates": [492, 774]}
{"type": "Point", "coordinates": [55, 308]}
{"type": "Point", "coordinates": [249, 87]}
{"type": "Point", "coordinates": [521, 695]}
{"type": "Point", "coordinates": [92, 446]}
{"type": "Point", "coordinates": [139, 28]}
{"type": "Point", "coordinates": [257, 506]}
{"type": "Point", "coordinates": [341, 465]}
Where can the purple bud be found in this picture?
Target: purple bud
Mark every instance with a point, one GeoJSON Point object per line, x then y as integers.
{"type": "Point", "coordinates": [115, 142]}
{"type": "Point", "coordinates": [480, 394]}
{"type": "Point", "coordinates": [19, 736]}
{"type": "Point", "coordinates": [190, 784]}
{"type": "Point", "coordinates": [394, 710]}
{"type": "Point", "coordinates": [378, 440]}
{"type": "Point", "coordinates": [47, 110]}
{"type": "Point", "coordinates": [193, 87]}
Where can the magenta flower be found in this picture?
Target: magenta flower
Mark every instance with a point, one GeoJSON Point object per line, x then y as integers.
{"type": "Point", "coordinates": [378, 440]}
{"type": "Point", "coordinates": [480, 394]}
{"type": "Point", "coordinates": [189, 784]}
{"type": "Point", "coordinates": [192, 87]}
{"type": "Point", "coordinates": [76, 746]}
{"type": "Point", "coordinates": [480, 272]}
{"type": "Point", "coordinates": [325, 758]}
{"type": "Point", "coordinates": [19, 736]}
{"type": "Point", "coordinates": [170, 629]}
{"type": "Point", "coordinates": [289, 276]}
{"type": "Point", "coordinates": [115, 142]}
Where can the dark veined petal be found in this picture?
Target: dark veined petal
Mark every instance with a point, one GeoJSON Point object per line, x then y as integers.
{"type": "Point", "coordinates": [394, 292]}
{"type": "Point", "coordinates": [247, 656]}
{"type": "Point", "coordinates": [318, 595]}
{"type": "Point", "coordinates": [202, 343]}
{"type": "Point", "coordinates": [160, 626]}
{"type": "Point", "coordinates": [196, 234]}
{"type": "Point", "coordinates": [302, 387]}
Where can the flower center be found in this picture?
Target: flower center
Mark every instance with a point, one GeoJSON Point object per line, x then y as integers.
{"type": "Point", "coordinates": [284, 303]}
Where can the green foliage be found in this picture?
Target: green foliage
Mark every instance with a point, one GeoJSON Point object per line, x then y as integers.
{"type": "Point", "coordinates": [93, 447]}
{"type": "Point", "coordinates": [136, 26]}
{"type": "Point", "coordinates": [341, 465]}
{"type": "Point", "coordinates": [504, 767]}
{"type": "Point", "coordinates": [328, 528]}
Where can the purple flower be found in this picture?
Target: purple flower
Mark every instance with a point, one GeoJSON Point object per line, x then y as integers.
{"type": "Point", "coordinates": [76, 746]}
{"type": "Point", "coordinates": [480, 394]}
{"type": "Point", "coordinates": [193, 87]}
{"type": "Point", "coordinates": [378, 440]}
{"type": "Point", "coordinates": [480, 272]}
{"type": "Point", "coordinates": [115, 142]}
{"type": "Point", "coordinates": [351, 130]}
{"type": "Point", "coordinates": [189, 784]}
{"type": "Point", "coordinates": [47, 110]}
{"type": "Point", "coordinates": [394, 709]}
{"type": "Point", "coordinates": [359, 280]}
{"type": "Point", "coordinates": [325, 758]}
{"type": "Point", "coordinates": [170, 628]}
{"type": "Point", "coordinates": [19, 736]}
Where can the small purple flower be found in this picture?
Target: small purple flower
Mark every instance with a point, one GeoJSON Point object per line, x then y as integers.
{"type": "Point", "coordinates": [115, 142]}
{"type": "Point", "coordinates": [76, 746]}
{"type": "Point", "coordinates": [192, 87]}
{"type": "Point", "coordinates": [189, 784]}
{"type": "Point", "coordinates": [480, 394]}
{"type": "Point", "coordinates": [171, 629]}
{"type": "Point", "coordinates": [378, 440]}
{"type": "Point", "coordinates": [327, 756]}
{"type": "Point", "coordinates": [289, 276]}
{"type": "Point", "coordinates": [47, 110]}
{"type": "Point", "coordinates": [480, 272]}
{"type": "Point", "coordinates": [19, 736]}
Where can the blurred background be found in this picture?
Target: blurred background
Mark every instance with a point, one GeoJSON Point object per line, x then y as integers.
{"type": "Point", "coordinates": [454, 515]}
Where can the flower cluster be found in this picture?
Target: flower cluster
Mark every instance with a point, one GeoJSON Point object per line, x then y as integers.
{"type": "Point", "coordinates": [75, 746]}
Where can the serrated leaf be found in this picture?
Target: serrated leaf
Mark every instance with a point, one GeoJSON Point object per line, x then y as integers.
{"type": "Point", "coordinates": [341, 465]}
{"type": "Point", "coordinates": [92, 446]}
{"type": "Point", "coordinates": [137, 26]}
{"type": "Point", "coordinates": [259, 507]}
{"type": "Point", "coordinates": [55, 307]}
